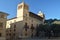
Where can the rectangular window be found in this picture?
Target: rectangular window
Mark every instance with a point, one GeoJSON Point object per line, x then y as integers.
{"type": "Point", "coordinates": [1, 24]}
{"type": "Point", "coordinates": [2, 16]}
{"type": "Point", "coordinates": [25, 34]}
{"type": "Point", "coordinates": [6, 39]}
{"type": "Point", "coordinates": [19, 6]}
{"type": "Point", "coordinates": [14, 25]}
{"type": "Point", "coordinates": [32, 20]}
{"type": "Point", "coordinates": [14, 29]}
{"type": "Point", "coordinates": [14, 34]}
{"type": "Point", "coordinates": [10, 30]}
{"type": "Point", "coordinates": [0, 34]}
{"type": "Point", "coordinates": [9, 34]}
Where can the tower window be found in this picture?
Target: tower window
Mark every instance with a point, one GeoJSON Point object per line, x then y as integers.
{"type": "Point", "coordinates": [26, 7]}
{"type": "Point", "coordinates": [25, 15]}
{"type": "Point", "coordinates": [19, 6]}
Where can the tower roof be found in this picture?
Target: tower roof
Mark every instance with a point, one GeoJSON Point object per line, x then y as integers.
{"type": "Point", "coordinates": [31, 14]}
{"type": "Point", "coordinates": [23, 3]}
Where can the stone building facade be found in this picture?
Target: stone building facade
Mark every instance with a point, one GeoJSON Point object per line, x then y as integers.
{"type": "Point", "coordinates": [23, 23]}
{"type": "Point", "coordinates": [3, 20]}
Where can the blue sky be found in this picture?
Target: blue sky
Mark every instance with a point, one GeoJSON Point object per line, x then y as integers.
{"type": "Point", "coordinates": [51, 8]}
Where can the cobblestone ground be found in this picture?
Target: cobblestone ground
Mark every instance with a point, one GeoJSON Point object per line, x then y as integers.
{"type": "Point", "coordinates": [41, 39]}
